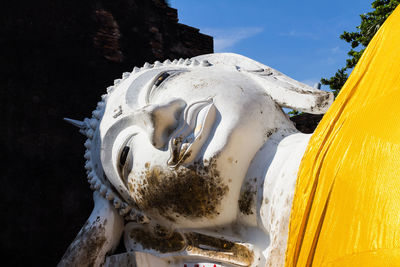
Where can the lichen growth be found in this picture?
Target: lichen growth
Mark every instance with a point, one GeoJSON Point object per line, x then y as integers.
{"type": "Point", "coordinates": [163, 241]}
{"type": "Point", "coordinates": [86, 247]}
{"type": "Point", "coordinates": [219, 249]}
{"type": "Point", "coordinates": [246, 199]}
{"type": "Point", "coordinates": [193, 191]}
{"type": "Point", "coordinates": [160, 242]}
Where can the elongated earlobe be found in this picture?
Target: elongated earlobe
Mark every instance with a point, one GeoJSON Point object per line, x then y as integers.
{"type": "Point", "coordinates": [284, 90]}
{"type": "Point", "coordinates": [292, 94]}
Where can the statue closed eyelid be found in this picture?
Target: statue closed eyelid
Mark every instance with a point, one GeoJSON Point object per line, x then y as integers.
{"type": "Point", "coordinates": [124, 155]}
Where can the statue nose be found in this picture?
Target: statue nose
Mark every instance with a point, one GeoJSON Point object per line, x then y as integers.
{"type": "Point", "coordinates": [164, 120]}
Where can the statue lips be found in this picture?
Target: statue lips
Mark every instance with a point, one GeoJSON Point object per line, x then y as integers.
{"type": "Point", "coordinates": [199, 119]}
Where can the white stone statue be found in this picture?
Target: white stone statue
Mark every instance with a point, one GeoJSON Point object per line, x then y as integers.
{"type": "Point", "coordinates": [193, 163]}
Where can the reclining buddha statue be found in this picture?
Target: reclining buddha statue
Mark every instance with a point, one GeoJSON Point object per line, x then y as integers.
{"type": "Point", "coordinates": [193, 163]}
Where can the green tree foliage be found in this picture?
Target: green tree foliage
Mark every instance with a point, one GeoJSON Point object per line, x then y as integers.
{"type": "Point", "coordinates": [370, 24]}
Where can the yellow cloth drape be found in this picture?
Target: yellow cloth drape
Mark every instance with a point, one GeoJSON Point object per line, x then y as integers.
{"type": "Point", "coordinates": [346, 208]}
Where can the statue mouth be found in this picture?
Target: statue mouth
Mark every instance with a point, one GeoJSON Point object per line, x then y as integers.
{"type": "Point", "coordinates": [198, 121]}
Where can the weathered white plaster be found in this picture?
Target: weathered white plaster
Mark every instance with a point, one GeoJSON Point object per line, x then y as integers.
{"type": "Point", "coordinates": [277, 195]}
{"type": "Point", "coordinates": [198, 155]}
{"type": "Point", "coordinates": [99, 236]}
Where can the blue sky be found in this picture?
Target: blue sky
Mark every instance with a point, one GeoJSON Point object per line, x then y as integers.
{"type": "Point", "coordinates": [298, 38]}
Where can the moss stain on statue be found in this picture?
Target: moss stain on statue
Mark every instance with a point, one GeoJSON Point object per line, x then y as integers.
{"type": "Point", "coordinates": [162, 243]}
{"type": "Point", "coordinates": [246, 199]}
{"type": "Point", "coordinates": [196, 243]}
{"type": "Point", "coordinates": [219, 248]}
{"type": "Point", "coordinates": [193, 191]}
{"type": "Point", "coordinates": [86, 245]}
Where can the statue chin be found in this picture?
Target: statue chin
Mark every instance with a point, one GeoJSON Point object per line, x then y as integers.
{"type": "Point", "coordinates": [198, 160]}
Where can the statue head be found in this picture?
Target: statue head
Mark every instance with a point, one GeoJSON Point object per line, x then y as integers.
{"type": "Point", "coordinates": [174, 140]}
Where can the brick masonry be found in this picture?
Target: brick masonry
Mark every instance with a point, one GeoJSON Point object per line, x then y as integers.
{"type": "Point", "coordinates": [57, 58]}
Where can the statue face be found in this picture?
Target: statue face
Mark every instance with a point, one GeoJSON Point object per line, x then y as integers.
{"type": "Point", "coordinates": [177, 141]}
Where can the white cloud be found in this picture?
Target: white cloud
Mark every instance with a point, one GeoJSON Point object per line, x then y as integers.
{"type": "Point", "coordinates": [330, 61]}
{"type": "Point", "coordinates": [297, 34]}
{"type": "Point", "coordinates": [227, 38]}
{"type": "Point", "coordinates": [336, 50]}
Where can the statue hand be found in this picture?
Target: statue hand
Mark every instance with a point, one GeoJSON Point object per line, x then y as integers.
{"type": "Point", "coordinates": [100, 234]}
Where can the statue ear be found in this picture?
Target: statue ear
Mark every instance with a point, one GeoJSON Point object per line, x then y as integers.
{"type": "Point", "coordinates": [283, 90]}
{"type": "Point", "coordinates": [290, 93]}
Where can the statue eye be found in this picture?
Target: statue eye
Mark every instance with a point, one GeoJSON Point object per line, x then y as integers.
{"type": "Point", "coordinates": [157, 81]}
{"type": "Point", "coordinates": [124, 155]}
{"type": "Point", "coordinates": [125, 159]}
{"type": "Point", "coordinates": [162, 78]}
{"type": "Point", "coordinates": [125, 163]}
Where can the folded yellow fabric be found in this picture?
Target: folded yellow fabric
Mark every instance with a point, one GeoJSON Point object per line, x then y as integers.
{"type": "Point", "coordinates": [346, 208]}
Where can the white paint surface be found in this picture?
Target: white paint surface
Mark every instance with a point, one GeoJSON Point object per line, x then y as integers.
{"type": "Point", "coordinates": [219, 108]}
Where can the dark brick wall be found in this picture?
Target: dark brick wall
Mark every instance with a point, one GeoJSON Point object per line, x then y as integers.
{"type": "Point", "coordinates": [57, 58]}
{"type": "Point", "coordinates": [306, 123]}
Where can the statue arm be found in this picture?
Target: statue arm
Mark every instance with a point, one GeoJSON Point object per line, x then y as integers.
{"type": "Point", "coordinates": [100, 234]}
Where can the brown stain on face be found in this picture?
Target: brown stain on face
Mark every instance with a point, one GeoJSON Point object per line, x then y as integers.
{"type": "Point", "coordinates": [200, 84]}
{"type": "Point", "coordinates": [271, 132]}
{"type": "Point", "coordinates": [193, 191]}
{"type": "Point", "coordinates": [176, 151]}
